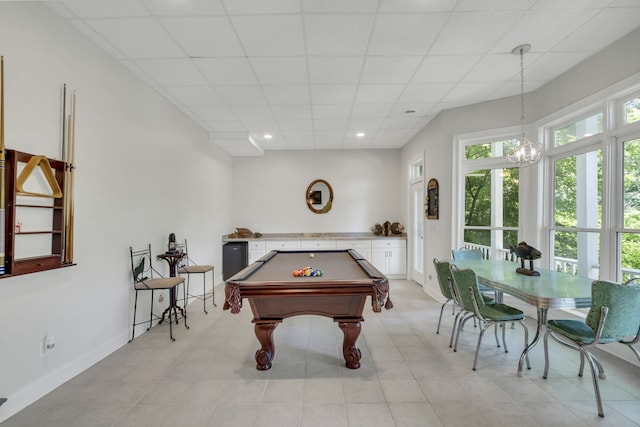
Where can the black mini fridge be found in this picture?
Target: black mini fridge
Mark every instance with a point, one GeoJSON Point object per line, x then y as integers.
{"type": "Point", "coordinates": [235, 257]}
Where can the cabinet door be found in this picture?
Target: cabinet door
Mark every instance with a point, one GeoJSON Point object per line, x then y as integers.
{"type": "Point", "coordinates": [379, 259]}
{"type": "Point", "coordinates": [397, 261]}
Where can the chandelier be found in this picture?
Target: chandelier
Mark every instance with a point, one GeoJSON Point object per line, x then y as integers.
{"type": "Point", "coordinates": [525, 152]}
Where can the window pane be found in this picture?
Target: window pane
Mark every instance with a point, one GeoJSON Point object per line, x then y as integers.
{"type": "Point", "coordinates": [477, 194]}
{"type": "Point", "coordinates": [632, 111]}
{"type": "Point", "coordinates": [630, 256]}
{"type": "Point", "coordinates": [578, 130]}
{"type": "Point", "coordinates": [631, 178]}
{"type": "Point", "coordinates": [478, 237]}
{"type": "Point", "coordinates": [578, 191]}
{"type": "Point", "coordinates": [511, 194]}
{"type": "Point", "coordinates": [489, 149]}
{"type": "Point", "coordinates": [577, 253]}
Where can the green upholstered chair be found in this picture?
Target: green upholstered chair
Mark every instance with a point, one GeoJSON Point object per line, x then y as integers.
{"type": "Point", "coordinates": [147, 278]}
{"type": "Point", "coordinates": [446, 288]}
{"type": "Point", "coordinates": [462, 253]}
{"type": "Point", "coordinates": [614, 316]}
{"type": "Point", "coordinates": [188, 266]}
{"type": "Point", "coordinates": [465, 285]}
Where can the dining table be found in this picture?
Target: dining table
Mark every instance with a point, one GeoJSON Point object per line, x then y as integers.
{"type": "Point", "coordinates": [551, 289]}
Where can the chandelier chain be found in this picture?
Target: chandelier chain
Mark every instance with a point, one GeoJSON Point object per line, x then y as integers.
{"type": "Point", "coordinates": [522, 91]}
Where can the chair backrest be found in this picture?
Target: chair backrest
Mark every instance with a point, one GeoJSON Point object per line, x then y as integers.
{"type": "Point", "coordinates": [623, 302]}
{"type": "Point", "coordinates": [184, 261]}
{"type": "Point", "coordinates": [141, 264]}
{"type": "Point", "coordinates": [444, 277]}
{"type": "Point", "coordinates": [460, 254]}
{"type": "Point", "coordinates": [463, 280]}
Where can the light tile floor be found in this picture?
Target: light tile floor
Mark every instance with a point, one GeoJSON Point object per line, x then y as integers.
{"type": "Point", "coordinates": [409, 377]}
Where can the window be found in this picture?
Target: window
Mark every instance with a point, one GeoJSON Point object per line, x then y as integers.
{"type": "Point", "coordinates": [577, 213]}
{"type": "Point", "coordinates": [630, 234]}
{"type": "Point", "coordinates": [490, 206]}
{"type": "Point", "coordinates": [631, 112]}
{"type": "Point", "coordinates": [579, 129]}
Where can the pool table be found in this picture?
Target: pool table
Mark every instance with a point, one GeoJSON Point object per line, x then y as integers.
{"type": "Point", "coordinates": [274, 294]}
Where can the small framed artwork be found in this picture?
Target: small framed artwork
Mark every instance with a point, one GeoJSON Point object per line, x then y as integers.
{"type": "Point", "coordinates": [315, 197]}
{"type": "Point", "coordinates": [431, 204]}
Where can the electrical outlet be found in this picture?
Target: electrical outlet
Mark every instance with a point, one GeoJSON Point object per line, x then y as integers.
{"type": "Point", "coordinates": [161, 298]}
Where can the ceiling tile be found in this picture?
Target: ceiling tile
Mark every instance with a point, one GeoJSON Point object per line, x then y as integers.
{"type": "Point", "coordinates": [330, 35]}
{"type": "Point", "coordinates": [423, 93]}
{"type": "Point", "coordinates": [211, 113]}
{"type": "Point", "coordinates": [411, 34]}
{"type": "Point", "coordinates": [204, 36]}
{"type": "Point", "coordinates": [253, 112]}
{"type": "Point", "coordinates": [420, 110]}
{"type": "Point", "coordinates": [333, 94]}
{"type": "Point", "coordinates": [331, 111]}
{"type": "Point", "coordinates": [368, 125]}
{"type": "Point", "coordinates": [241, 95]}
{"type": "Point", "coordinates": [286, 125]}
{"type": "Point", "coordinates": [281, 70]}
{"type": "Point", "coordinates": [551, 65]}
{"type": "Point", "coordinates": [302, 136]}
{"type": "Point", "coordinates": [287, 94]}
{"type": "Point", "coordinates": [473, 33]}
{"type": "Point", "coordinates": [496, 67]}
{"type": "Point", "coordinates": [270, 35]}
{"type": "Point", "coordinates": [226, 71]}
{"type": "Point", "coordinates": [466, 5]}
{"type": "Point", "coordinates": [371, 110]}
{"type": "Point", "coordinates": [339, 6]}
{"type": "Point", "coordinates": [570, 4]}
{"type": "Point", "coordinates": [195, 95]}
{"type": "Point", "coordinates": [379, 94]}
{"type": "Point", "coordinates": [137, 38]}
{"type": "Point", "coordinates": [387, 6]}
{"type": "Point", "coordinates": [106, 9]}
{"type": "Point", "coordinates": [191, 7]}
{"type": "Point", "coordinates": [98, 39]}
{"type": "Point", "coordinates": [225, 126]}
{"type": "Point", "coordinates": [292, 112]}
{"type": "Point", "coordinates": [475, 91]}
{"type": "Point", "coordinates": [253, 7]}
{"type": "Point", "coordinates": [444, 69]}
{"type": "Point", "coordinates": [611, 23]}
{"type": "Point", "coordinates": [261, 126]}
{"type": "Point", "coordinates": [322, 125]}
{"type": "Point", "coordinates": [387, 70]}
{"type": "Point", "coordinates": [335, 69]}
{"type": "Point", "coordinates": [172, 72]}
{"type": "Point", "coordinates": [557, 25]}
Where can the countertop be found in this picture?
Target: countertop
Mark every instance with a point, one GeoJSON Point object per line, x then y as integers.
{"type": "Point", "coordinates": [314, 236]}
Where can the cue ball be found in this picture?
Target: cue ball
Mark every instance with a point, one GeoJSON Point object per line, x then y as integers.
{"type": "Point", "coordinates": [311, 255]}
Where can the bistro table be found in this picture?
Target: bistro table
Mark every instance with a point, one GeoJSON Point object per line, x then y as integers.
{"type": "Point", "coordinates": [551, 289]}
{"type": "Point", "coordinates": [173, 258]}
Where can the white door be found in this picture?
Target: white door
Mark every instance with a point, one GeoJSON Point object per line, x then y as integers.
{"type": "Point", "coordinates": [417, 233]}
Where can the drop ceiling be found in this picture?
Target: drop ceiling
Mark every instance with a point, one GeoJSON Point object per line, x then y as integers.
{"type": "Point", "coordinates": [313, 74]}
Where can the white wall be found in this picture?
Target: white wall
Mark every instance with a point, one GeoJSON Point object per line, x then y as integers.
{"type": "Point", "coordinates": [269, 192]}
{"type": "Point", "coordinates": [603, 69]}
{"type": "Point", "coordinates": [143, 170]}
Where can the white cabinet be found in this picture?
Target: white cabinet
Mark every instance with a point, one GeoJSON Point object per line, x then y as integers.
{"type": "Point", "coordinates": [390, 256]}
{"type": "Point", "coordinates": [317, 244]}
{"type": "Point", "coordinates": [256, 250]}
{"type": "Point", "coordinates": [282, 245]}
{"type": "Point", "coordinates": [363, 247]}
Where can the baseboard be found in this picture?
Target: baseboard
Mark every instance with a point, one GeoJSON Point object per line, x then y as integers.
{"type": "Point", "coordinates": [37, 389]}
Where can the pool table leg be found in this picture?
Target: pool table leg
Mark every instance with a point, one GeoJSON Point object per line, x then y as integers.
{"type": "Point", "coordinates": [264, 332]}
{"type": "Point", "coordinates": [351, 330]}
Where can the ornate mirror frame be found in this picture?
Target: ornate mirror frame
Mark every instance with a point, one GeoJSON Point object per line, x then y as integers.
{"type": "Point", "coordinates": [317, 201]}
{"type": "Point", "coordinates": [432, 208]}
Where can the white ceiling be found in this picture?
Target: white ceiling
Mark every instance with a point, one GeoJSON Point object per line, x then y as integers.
{"type": "Point", "coordinates": [313, 73]}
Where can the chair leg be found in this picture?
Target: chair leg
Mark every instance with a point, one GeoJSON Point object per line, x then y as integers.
{"type": "Point", "coordinates": [440, 318]}
{"type": "Point", "coordinates": [204, 291]}
{"type": "Point", "coordinates": [461, 323]}
{"type": "Point", "coordinates": [594, 377]}
{"type": "Point", "coordinates": [454, 328]}
{"type": "Point", "coordinates": [545, 374]}
{"type": "Point", "coordinates": [135, 308]}
{"type": "Point", "coordinates": [526, 341]}
{"type": "Point", "coordinates": [151, 311]}
{"type": "Point", "coordinates": [504, 341]}
{"type": "Point", "coordinates": [485, 326]}
{"type": "Point", "coordinates": [213, 287]}
{"type": "Point", "coordinates": [635, 351]}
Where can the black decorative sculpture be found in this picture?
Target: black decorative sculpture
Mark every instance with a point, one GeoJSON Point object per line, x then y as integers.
{"type": "Point", "coordinates": [172, 247]}
{"type": "Point", "coordinates": [526, 252]}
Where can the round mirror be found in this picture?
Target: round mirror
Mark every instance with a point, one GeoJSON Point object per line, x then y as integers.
{"type": "Point", "coordinates": [319, 196]}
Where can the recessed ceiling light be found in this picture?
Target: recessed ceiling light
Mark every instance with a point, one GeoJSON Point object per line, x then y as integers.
{"type": "Point", "coordinates": [268, 136]}
{"type": "Point", "coordinates": [360, 134]}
